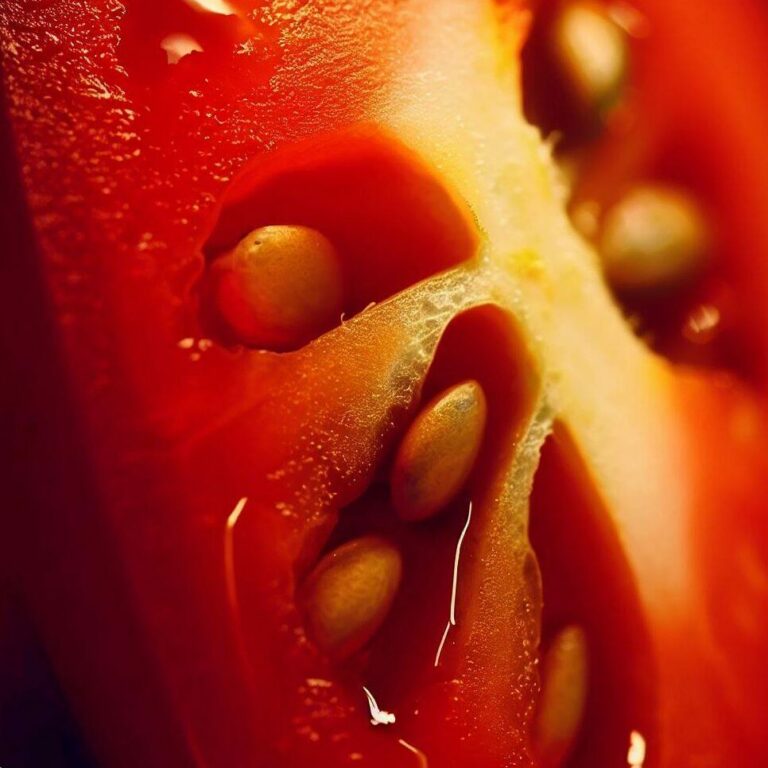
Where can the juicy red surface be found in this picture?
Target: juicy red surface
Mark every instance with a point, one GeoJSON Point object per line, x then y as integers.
{"type": "Point", "coordinates": [154, 443]}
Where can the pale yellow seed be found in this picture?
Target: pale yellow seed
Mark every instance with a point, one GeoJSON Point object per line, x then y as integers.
{"type": "Point", "coordinates": [593, 53]}
{"type": "Point", "coordinates": [280, 287]}
{"type": "Point", "coordinates": [438, 451]}
{"type": "Point", "coordinates": [653, 237]}
{"type": "Point", "coordinates": [348, 595]}
{"type": "Point", "coordinates": [565, 680]}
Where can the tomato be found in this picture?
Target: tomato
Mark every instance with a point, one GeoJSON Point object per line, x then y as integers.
{"type": "Point", "coordinates": [180, 495]}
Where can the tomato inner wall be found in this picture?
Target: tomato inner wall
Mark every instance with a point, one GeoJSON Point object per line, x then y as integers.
{"type": "Point", "coordinates": [586, 581]}
{"type": "Point", "coordinates": [392, 223]}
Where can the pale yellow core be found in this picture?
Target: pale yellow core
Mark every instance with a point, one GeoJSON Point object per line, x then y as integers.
{"type": "Point", "coordinates": [349, 593]}
{"type": "Point", "coordinates": [653, 237]}
{"type": "Point", "coordinates": [564, 679]}
{"type": "Point", "coordinates": [438, 451]}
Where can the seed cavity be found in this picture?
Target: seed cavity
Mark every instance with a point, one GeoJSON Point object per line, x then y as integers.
{"type": "Point", "coordinates": [565, 677]}
{"type": "Point", "coordinates": [278, 288]}
{"type": "Point", "coordinates": [348, 595]}
{"type": "Point", "coordinates": [438, 451]}
{"type": "Point", "coordinates": [653, 237]}
{"type": "Point", "coordinates": [592, 51]}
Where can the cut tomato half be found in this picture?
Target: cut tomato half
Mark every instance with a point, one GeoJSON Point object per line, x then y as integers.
{"type": "Point", "coordinates": [329, 443]}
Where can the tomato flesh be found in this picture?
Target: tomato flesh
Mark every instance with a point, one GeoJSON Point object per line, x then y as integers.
{"type": "Point", "coordinates": [192, 484]}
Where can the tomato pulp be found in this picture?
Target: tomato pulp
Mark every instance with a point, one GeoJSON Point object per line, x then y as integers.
{"type": "Point", "coordinates": [179, 488]}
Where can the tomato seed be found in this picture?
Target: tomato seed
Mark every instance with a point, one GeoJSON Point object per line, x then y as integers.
{"type": "Point", "coordinates": [280, 287]}
{"type": "Point", "coordinates": [653, 237]}
{"type": "Point", "coordinates": [438, 451]}
{"type": "Point", "coordinates": [592, 52]}
{"type": "Point", "coordinates": [348, 595]}
{"type": "Point", "coordinates": [563, 696]}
